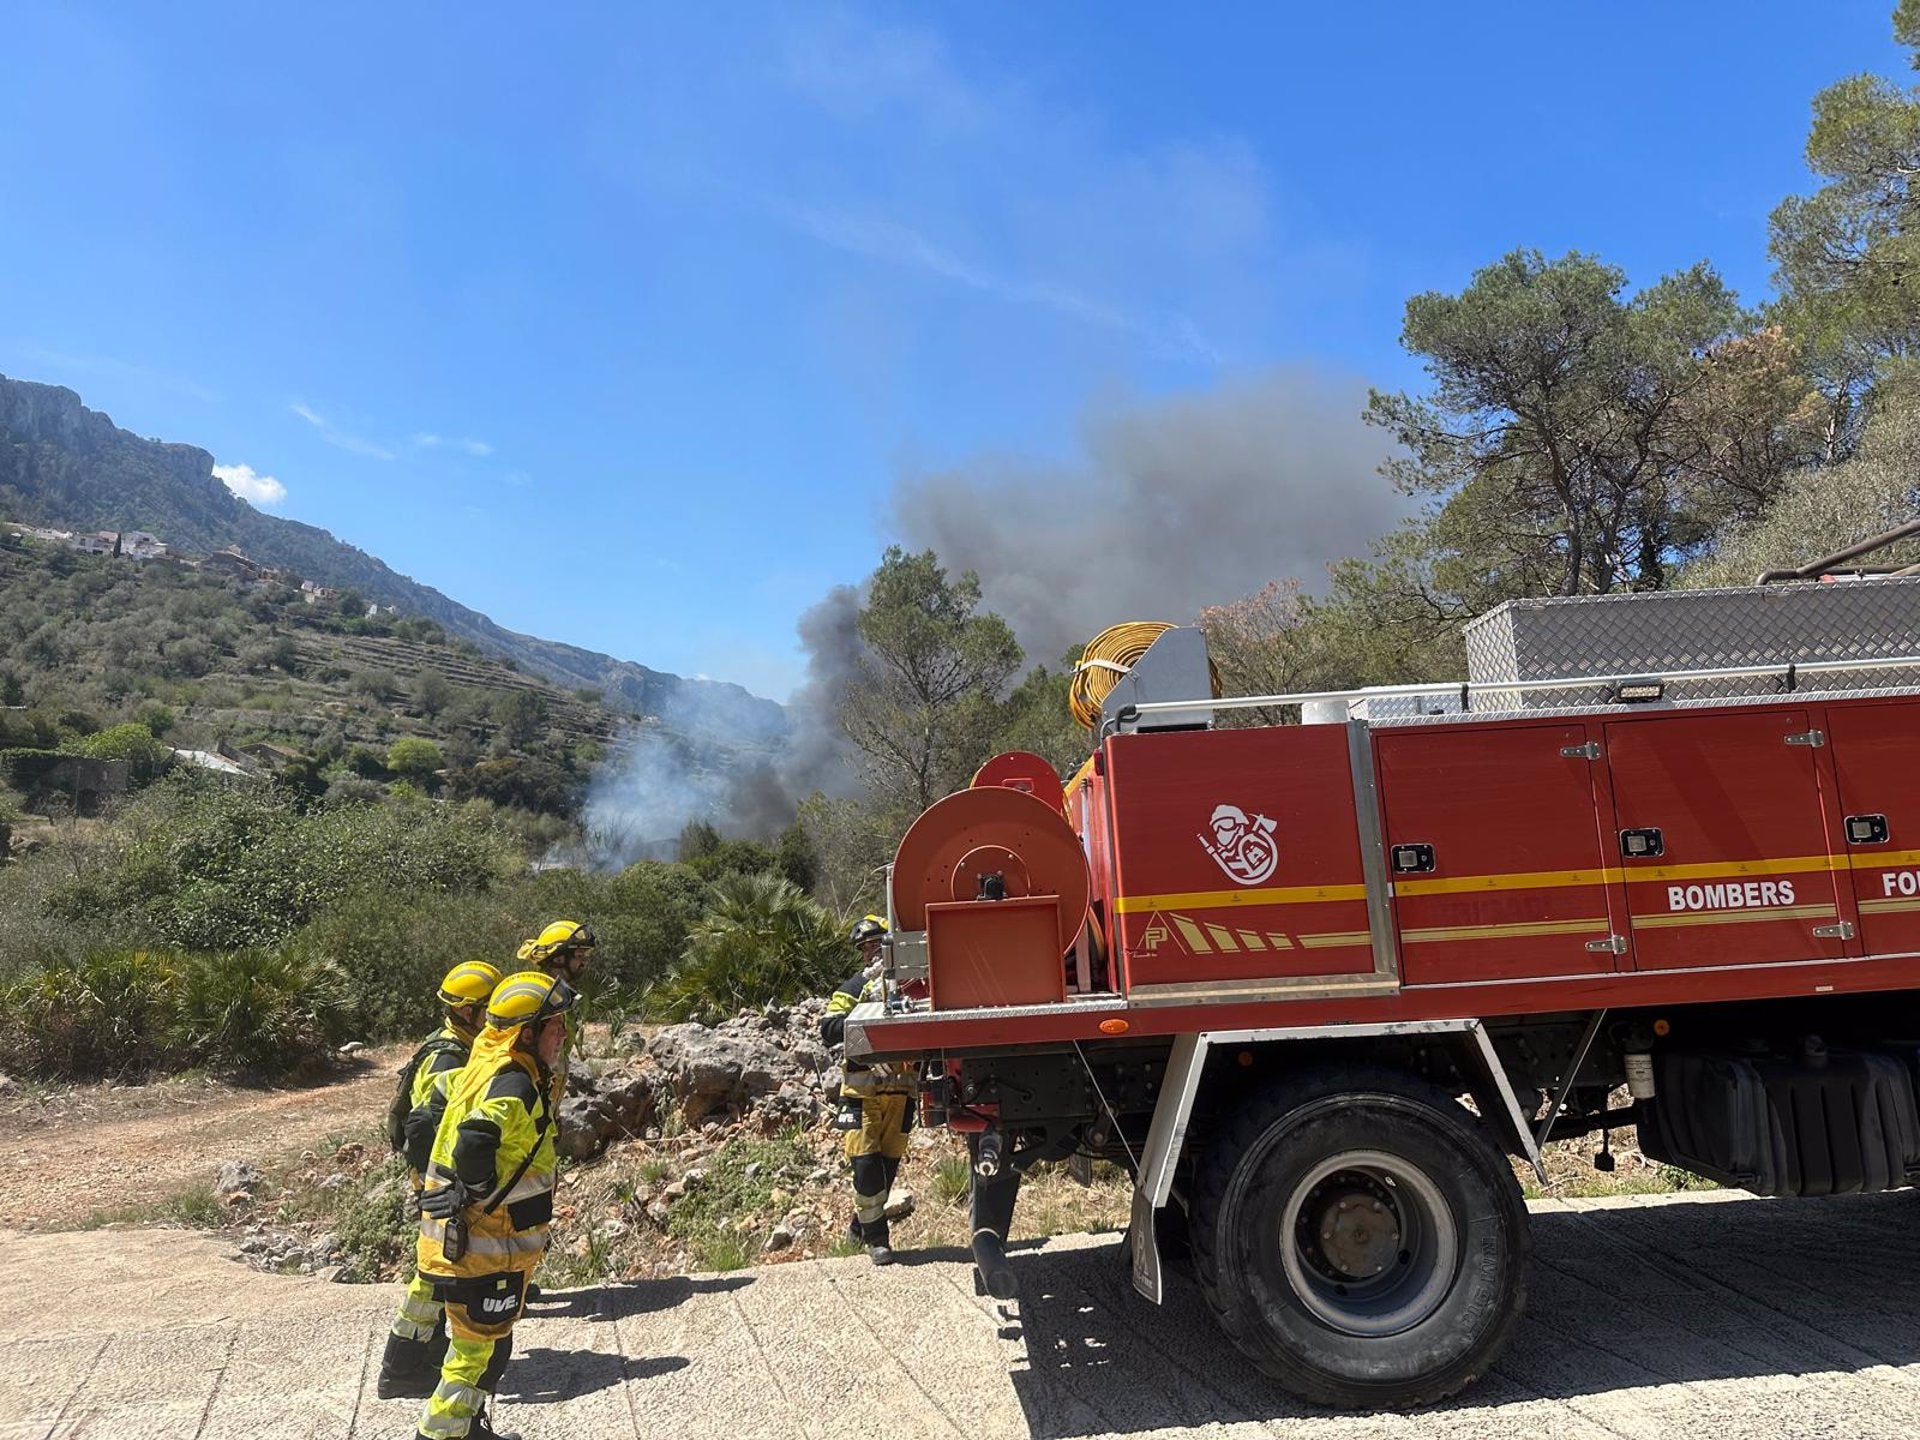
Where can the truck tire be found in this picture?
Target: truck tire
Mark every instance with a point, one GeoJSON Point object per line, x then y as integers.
{"type": "Point", "coordinates": [1361, 1238]}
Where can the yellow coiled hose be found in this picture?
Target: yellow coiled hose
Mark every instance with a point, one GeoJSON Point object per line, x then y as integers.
{"type": "Point", "coordinates": [1108, 656]}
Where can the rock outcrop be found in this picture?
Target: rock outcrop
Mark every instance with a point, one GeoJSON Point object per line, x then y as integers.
{"type": "Point", "coordinates": [768, 1064]}
{"type": "Point", "coordinates": [765, 1069]}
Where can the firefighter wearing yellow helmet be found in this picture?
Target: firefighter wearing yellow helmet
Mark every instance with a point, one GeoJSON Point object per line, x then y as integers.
{"type": "Point", "coordinates": [562, 950]}
{"type": "Point", "coordinates": [489, 1195]}
{"type": "Point", "coordinates": [418, 1337]}
{"type": "Point", "coordinates": [876, 1103]}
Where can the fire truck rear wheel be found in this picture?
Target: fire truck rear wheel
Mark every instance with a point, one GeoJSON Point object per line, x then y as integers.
{"type": "Point", "coordinates": [1361, 1238]}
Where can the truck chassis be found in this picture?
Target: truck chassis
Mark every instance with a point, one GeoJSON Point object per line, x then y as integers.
{"type": "Point", "coordinates": [1332, 977]}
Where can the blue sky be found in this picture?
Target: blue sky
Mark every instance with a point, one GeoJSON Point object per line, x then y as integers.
{"type": "Point", "coordinates": [624, 324]}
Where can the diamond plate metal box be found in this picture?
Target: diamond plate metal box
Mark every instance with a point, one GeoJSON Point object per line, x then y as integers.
{"type": "Point", "coordinates": [1673, 630]}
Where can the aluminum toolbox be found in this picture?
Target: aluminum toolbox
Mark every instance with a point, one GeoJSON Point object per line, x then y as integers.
{"type": "Point", "coordinates": [1661, 632]}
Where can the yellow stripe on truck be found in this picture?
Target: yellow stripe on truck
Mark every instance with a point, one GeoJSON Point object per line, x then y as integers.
{"type": "Point", "coordinates": [1222, 899]}
{"type": "Point", "coordinates": [1734, 917]}
{"type": "Point", "coordinates": [1518, 930]}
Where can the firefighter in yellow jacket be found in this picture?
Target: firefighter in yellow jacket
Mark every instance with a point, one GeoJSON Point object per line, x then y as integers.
{"type": "Point", "coordinates": [418, 1338]}
{"type": "Point", "coordinates": [876, 1103]}
{"type": "Point", "coordinates": [489, 1196]}
{"type": "Point", "coordinates": [562, 949]}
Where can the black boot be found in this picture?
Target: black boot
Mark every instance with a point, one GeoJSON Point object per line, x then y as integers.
{"type": "Point", "coordinates": [409, 1369]}
{"type": "Point", "coordinates": [482, 1429]}
{"type": "Point", "coordinates": [879, 1240]}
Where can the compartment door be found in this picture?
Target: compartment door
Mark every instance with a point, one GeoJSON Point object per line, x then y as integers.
{"type": "Point", "coordinates": [1723, 840]}
{"type": "Point", "coordinates": [1504, 821]}
{"type": "Point", "coordinates": [1876, 754]}
{"type": "Point", "coordinates": [1237, 864]}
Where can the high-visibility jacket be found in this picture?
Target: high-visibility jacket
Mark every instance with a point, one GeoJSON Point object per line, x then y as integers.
{"type": "Point", "coordinates": [433, 1079]}
{"type": "Point", "coordinates": [499, 1114]}
{"type": "Point", "coordinates": [437, 1070]}
{"type": "Point", "coordinates": [862, 1080]}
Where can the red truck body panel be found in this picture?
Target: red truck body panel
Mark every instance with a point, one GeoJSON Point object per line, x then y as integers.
{"type": "Point", "coordinates": [1874, 752]}
{"type": "Point", "coordinates": [1203, 908]}
{"type": "Point", "coordinates": [1521, 858]}
{"type": "Point", "coordinates": [1231, 869]}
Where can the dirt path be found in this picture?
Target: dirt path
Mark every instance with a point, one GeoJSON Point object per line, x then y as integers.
{"type": "Point", "coordinates": [93, 1150]}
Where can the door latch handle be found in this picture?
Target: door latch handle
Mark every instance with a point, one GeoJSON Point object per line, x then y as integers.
{"type": "Point", "coordinates": [1867, 830]}
{"type": "Point", "coordinates": [1646, 844]}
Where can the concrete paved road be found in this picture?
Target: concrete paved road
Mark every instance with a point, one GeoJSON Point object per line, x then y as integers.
{"type": "Point", "coordinates": [1701, 1317]}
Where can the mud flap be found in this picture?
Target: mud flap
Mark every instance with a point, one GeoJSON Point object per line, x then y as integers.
{"type": "Point", "coordinates": [1146, 1247]}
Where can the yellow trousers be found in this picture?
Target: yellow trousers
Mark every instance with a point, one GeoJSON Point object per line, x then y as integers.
{"type": "Point", "coordinates": [481, 1310]}
{"type": "Point", "coordinates": [875, 1149]}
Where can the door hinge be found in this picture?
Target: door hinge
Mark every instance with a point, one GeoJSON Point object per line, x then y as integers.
{"type": "Point", "coordinates": [1588, 751]}
{"type": "Point", "coordinates": [1813, 738]}
{"type": "Point", "coordinates": [1842, 931]}
{"type": "Point", "coordinates": [1612, 945]}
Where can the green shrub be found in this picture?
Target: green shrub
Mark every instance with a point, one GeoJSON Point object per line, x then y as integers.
{"type": "Point", "coordinates": [760, 942]}
{"type": "Point", "coordinates": [108, 1014]}
{"type": "Point", "coordinates": [376, 1234]}
{"type": "Point", "coordinates": [205, 866]}
{"type": "Point", "coordinates": [257, 1012]}
{"type": "Point", "coordinates": [146, 757]}
{"type": "Point", "coordinates": [716, 1217]}
{"type": "Point", "coordinates": [415, 759]}
{"type": "Point", "coordinates": [391, 948]}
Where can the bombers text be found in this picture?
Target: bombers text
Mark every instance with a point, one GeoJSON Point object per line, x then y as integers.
{"type": "Point", "coordinates": [1730, 895]}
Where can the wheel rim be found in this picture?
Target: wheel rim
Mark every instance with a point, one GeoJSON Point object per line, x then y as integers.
{"type": "Point", "coordinates": [1368, 1243]}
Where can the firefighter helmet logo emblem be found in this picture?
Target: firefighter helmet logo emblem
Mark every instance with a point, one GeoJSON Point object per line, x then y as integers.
{"type": "Point", "coordinates": [1244, 848]}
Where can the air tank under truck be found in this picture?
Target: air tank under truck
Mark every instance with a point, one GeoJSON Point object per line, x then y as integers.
{"type": "Point", "coordinates": [1312, 969]}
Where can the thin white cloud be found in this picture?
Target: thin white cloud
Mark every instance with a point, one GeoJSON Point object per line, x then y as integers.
{"type": "Point", "coordinates": [878, 238]}
{"type": "Point", "coordinates": [340, 439]}
{"type": "Point", "coordinates": [250, 485]}
{"type": "Point", "coordinates": [862, 73]}
{"type": "Point", "coordinates": [991, 180]}
{"type": "Point", "coordinates": [479, 449]}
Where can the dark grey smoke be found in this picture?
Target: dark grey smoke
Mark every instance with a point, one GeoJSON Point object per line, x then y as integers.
{"type": "Point", "coordinates": [819, 756]}
{"type": "Point", "coordinates": [655, 780]}
{"type": "Point", "coordinates": [1176, 505]}
{"type": "Point", "coordinates": [763, 798]}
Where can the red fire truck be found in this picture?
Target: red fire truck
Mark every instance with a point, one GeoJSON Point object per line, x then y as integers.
{"type": "Point", "coordinates": [1313, 983]}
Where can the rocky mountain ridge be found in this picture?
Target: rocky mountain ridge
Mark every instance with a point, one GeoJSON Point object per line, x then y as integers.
{"type": "Point", "coordinates": [62, 463]}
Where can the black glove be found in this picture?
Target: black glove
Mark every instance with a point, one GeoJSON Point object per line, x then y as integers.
{"type": "Point", "coordinates": [448, 1201]}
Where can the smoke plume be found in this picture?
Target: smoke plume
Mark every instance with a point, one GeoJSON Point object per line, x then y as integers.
{"type": "Point", "coordinates": [658, 777]}
{"type": "Point", "coordinates": [1177, 504]}
{"type": "Point", "coordinates": [819, 756]}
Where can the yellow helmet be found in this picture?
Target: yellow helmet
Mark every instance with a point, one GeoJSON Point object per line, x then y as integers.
{"type": "Point", "coordinates": [469, 983]}
{"type": "Point", "coordinates": [560, 936]}
{"type": "Point", "coordinates": [528, 997]}
{"type": "Point", "coordinates": [872, 927]}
